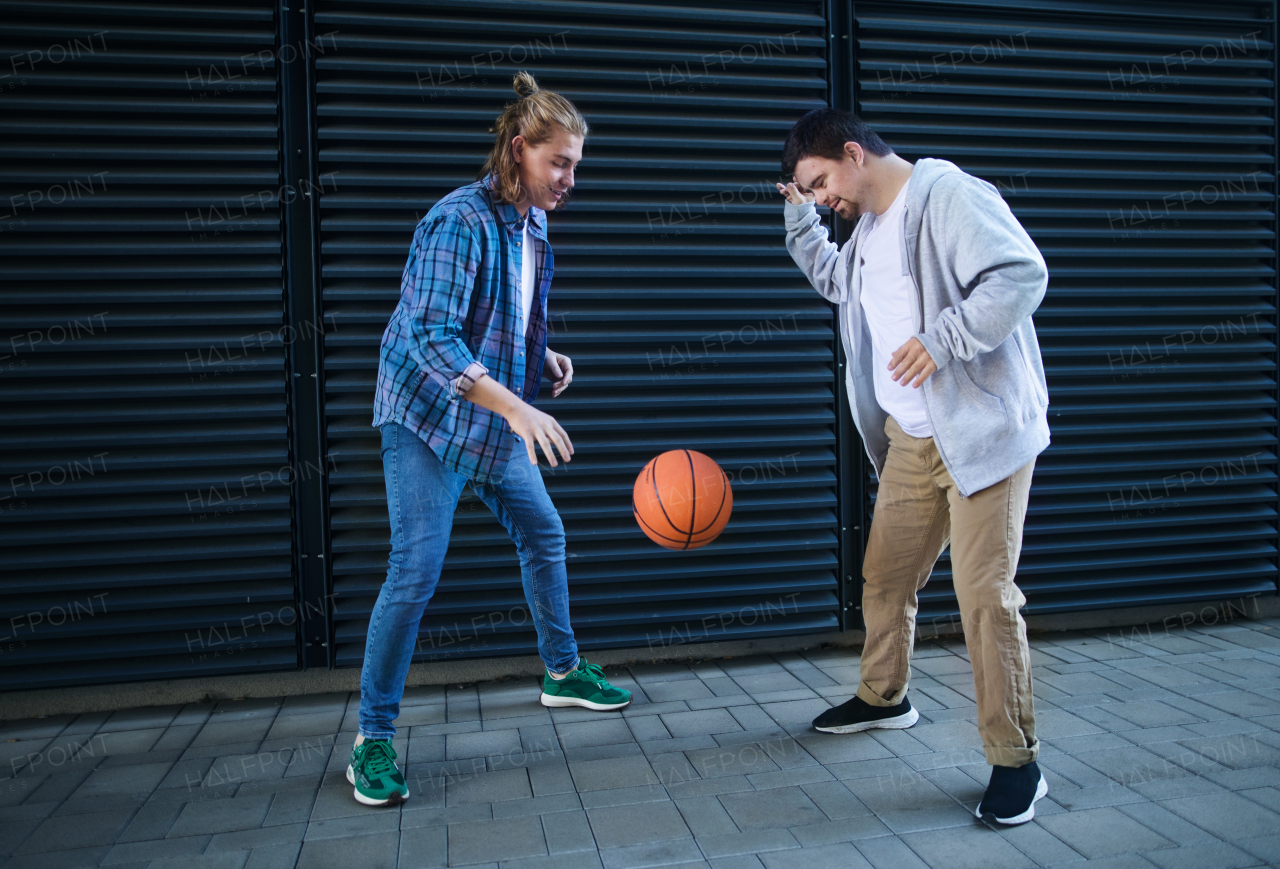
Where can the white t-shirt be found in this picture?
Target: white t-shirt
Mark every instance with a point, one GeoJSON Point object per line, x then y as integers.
{"type": "Point", "coordinates": [526, 275]}
{"type": "Point", "coordinates": [886, 301]}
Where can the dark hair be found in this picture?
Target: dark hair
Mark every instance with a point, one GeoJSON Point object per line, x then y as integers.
{"type": "Point", "coordinates": [823, 132]}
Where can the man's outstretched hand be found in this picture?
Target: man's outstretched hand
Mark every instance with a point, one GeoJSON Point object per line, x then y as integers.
{"type": "Point", "coordinates": [794, 195]}
{"type": "Point", "coordinates": [911, 360]}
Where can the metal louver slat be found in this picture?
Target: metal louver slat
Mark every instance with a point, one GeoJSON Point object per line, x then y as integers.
{"type": "Point", "coordinates": [688, 324]}
{"type": "Point", "coordinates": [143, 451]}
{"type": "Point", "coordinates": [1136, 144]}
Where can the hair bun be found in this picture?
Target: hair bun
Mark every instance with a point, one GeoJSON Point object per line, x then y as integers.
{"type": "Point", "coordinates": [524, 84]}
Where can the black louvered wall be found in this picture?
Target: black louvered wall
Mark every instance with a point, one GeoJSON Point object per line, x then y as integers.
{"type": "Point", "coordinates": [144, 503]}
{"type": "Point", "coordinates": [1136, 143]}
{"type": "Point", "coordinates": [672, 242]}
{"type": "Point", "coordinates": [169, 362]}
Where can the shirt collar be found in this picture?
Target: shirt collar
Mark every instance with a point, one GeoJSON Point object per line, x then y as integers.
{"type": "Point", "coordinates": [510, 215]}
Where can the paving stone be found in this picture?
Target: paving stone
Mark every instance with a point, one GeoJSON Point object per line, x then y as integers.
{"type": "Point", "coordinates": [1131, 765]}
{"type": "Point", "coordinates": [291, 807]}
{"type": "Point", "coordinates": [482, 744]}
{"type": "Point", "coordinates": [597, 775]}
{"type": "Point", "coordinates": [60, 785]}
{"type": "Point", "coordinates": [598, 752]}
{"type": "Point", "coordinates": [610, 731]}
{"type": "Point", "coordinates": [338, 828]}
{"type": "Point", "coordinates": [78, 805]}
{"type": "Point", "coordinates": [748, 842]}
{"type": "Point", "coordinates": [14, 831]}
{"type": "Point", "coordinates": [423, 848]}
{"type": "Point", "coordinates": [490, 787]}
{"type": "Point", "coordinates": [128, 852]}
{"type": "Point", "coordinates": [684, 689]}
{"type": "Point", "coordinates": [682, 852]}
{"type": "Point", "coordinates": [727, 761]}
{"type": "Point", "coordinates": [152, 821]}
{"type": "Point", "coordinates": [486, 841]}
{"type": "Point", "coordinates": [245, 840]}
{"type": "Point", "coordinates": [1266, 848]}
{"type": "Point", "coordinates": [1219, 855]}
{"type": "Point", "coordinates": [642, 823]}
{"type": "Point", "coordinates": [751, 717]}
{"type": "Point", "coordinates": [971, 847]}
{"type": "Point", "coordinates": [705, 816]}
{"type": "Point", "coordinates": [707, 721]}
{"type": "Point", "coordinates": [835, 800]}
{"type": "Point", "coordinates": [1225, 815]}
{"type": "Point", "coordinates": [836, 856]}
{"type": "Point", "coordinates": [568, 832]}
{"type": "Point", "coordinates": [80, 831]}
{"type": "Point", "coordinates": [412, 816]}
{"type": "Point", "coordinates": [537, 805]}
{"type": "Point", "coordinates": [1103, 832]}
{"type": "Point", "coordinates": [841, 747]}
{"type": "Point", "coordinates": [224, 860]}
{"type": "Point", "coordinates": [646, 728]}
{"type": "Point", "coordinates": [221, 816]}
{"type": "Point", "coordinates": [554, 778]}
{"type": "Point", "coordinates": [778, 807]}
{"type": "Point", "coordinates": [796, 776]}
{"type": "Point", "coordinates": [889, 852]}
{"type": "Point", "coordinates": [709, 787]}
{"type": "Point", "coordinates": [844, 830]}
{"type": "Point", "coordinates": [624, 796]}
{"type": "Point", "coordinates": [370, 851]}
{"type": "Point", "coordinates": [576, 860]}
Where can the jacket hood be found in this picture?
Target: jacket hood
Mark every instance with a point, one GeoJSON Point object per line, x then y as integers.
{"type": "Point", "coordinates": [926, 173]}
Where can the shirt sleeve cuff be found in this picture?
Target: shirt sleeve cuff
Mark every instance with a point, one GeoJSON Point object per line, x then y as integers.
{"type": "Point", "coordinates": [938, 351]}
{"type": "Point", "coordinates": [464, 381]}
{"type": "Point", "coordinates": [794, 215]}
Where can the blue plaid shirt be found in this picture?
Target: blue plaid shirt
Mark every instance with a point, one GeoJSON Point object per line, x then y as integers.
{"type": "Point", "coordinates": [459, 317]}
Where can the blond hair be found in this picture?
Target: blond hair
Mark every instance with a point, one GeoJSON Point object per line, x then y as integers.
{"type": "Point", "coordinates": [537, 115]}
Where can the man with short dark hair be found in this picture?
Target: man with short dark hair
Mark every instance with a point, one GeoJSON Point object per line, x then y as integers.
{"type": "Point", "coordinates": [935, 289]}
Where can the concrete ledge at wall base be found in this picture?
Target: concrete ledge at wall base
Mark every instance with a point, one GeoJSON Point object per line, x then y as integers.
{"type": "Point", "coordinates": [77, 699]}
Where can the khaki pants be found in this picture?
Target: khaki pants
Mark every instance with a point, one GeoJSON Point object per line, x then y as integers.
{"type": "Point", "coordinates": [918, 511]}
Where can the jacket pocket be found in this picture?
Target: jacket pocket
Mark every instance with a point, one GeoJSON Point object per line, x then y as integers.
{"type": "Point", "coordinates": [1042, 396]}
{"type": "Point", "coordinates": [974, 417]}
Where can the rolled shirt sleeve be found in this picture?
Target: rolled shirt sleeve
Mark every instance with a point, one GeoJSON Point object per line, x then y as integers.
{"type": "Point", "coordinates": [442, 278]}
{"type": "Point", "coordinates": [467, 379]}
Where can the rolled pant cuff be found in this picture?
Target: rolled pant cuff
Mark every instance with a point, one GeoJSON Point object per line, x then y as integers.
{"type": "Point", "coordinates": [871, 698]}
{"type": "Point", "coordinates": [372, 736]}
{"type": "Point", "coordinates": [1002, 756]}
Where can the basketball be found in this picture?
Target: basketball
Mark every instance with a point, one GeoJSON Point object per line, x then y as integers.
{"type": "Point", "coordinates": [682, 500]}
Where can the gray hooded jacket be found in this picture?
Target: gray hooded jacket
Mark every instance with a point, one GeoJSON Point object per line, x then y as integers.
{"type": "Point", "coordinates": [978, 278]}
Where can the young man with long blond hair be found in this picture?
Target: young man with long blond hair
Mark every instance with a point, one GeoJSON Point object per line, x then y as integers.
{"type": "Point", "coordinates": [461, 363]}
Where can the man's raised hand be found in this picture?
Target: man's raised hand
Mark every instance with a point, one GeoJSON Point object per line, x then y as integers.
{"type": "Point", "coordinates": [794, 195]}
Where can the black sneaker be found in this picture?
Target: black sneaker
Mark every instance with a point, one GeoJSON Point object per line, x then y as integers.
{"type": "Point", "coordinates": [1011, 796]}
{"type": "Point", "coordinates": [859, 715]}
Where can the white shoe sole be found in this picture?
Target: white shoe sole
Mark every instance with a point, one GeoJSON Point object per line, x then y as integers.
{"type": "Point", "coordinates": [1041, 789]}
{"type": "Point", "coordinates": [370, 801]}
{"type": "Point", "coordinates": [898, 722]}
{"type": "Point", "coordinates": [549, 700]}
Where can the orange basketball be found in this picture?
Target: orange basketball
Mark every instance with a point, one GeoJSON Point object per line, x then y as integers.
{"type": "Point", "coordinates": [682, 500]}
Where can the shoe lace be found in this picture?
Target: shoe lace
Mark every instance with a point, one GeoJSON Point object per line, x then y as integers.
{"type": "Point", "coordinates": [591, 672]}
{"type": "Point", "coordinates": [379, 758]}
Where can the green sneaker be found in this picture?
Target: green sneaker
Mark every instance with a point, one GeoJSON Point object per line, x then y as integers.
{"type": "Point", "coordinates": [583, 686]}
{"type": "Point", "coordinates": [373, 771]}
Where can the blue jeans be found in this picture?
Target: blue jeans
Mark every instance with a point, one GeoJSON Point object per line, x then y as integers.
{"type": "Point", "coordinates": [422, 495]}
